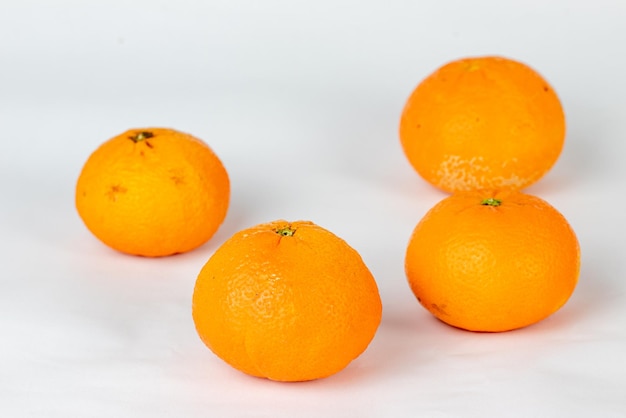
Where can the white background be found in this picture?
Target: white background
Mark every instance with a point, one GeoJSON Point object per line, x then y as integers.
{"type": "Point", "coordinates": [301, 100]}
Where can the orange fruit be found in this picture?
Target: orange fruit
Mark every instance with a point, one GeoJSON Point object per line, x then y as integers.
{"type": "Point", "coordinates": [153, 192]}
{"type": "Point", "coordinates": [492, 261]}
{"type": "Point", "coordinates": [287, 302]}
{"type": "Point", "coordinates": [482, 123]}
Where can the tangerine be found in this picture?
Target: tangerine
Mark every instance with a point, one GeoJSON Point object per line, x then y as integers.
{"type": "Point", "coordinates": [492, 261]}
{"type": "Point", "coordinates": [153, 192]}
{"type": "Point", "coordinates": [483, 123]}
{"type": "Point", "coordinates": [287, 301]}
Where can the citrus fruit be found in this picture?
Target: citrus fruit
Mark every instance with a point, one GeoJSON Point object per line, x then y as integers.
{"type": "Point", "coordinates": [482, 123]}
{"type": "Point", "coordinates": [153, 192]}
{"type": "Point", "coordinates": [492, 261]}
{"type": "Point", "coordinates": [286, 301]}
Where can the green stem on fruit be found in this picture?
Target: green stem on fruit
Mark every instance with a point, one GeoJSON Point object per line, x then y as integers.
{"type": "Point", "coordinates": [140, 136]}
{"type": "Point", "coordinates": [286, 231]}
{"type": "Point", "coordinates": [492, 201]}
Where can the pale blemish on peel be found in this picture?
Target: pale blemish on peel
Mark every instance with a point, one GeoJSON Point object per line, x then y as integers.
{"type": "Point", "coordinates": [458, 173]}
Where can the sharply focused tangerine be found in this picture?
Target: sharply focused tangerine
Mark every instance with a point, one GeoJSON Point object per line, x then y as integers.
{"type": "Point", "coordinates": [153, 192]}
{"type": "Point", "coordinates": [492, 261]}
{"type": "Point", "coordinates": [483, 123]}
{"type": "Point", "coordinates": [287, 301]}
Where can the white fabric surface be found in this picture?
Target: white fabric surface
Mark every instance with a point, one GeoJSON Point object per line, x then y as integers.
{"type": "Point", "coordinates": [301, 100]}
